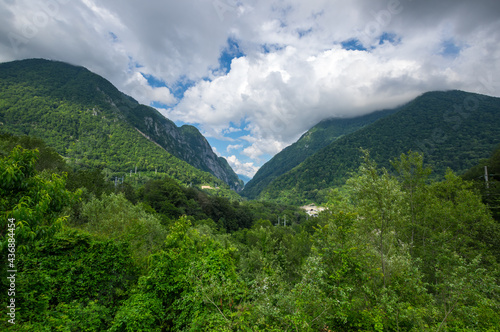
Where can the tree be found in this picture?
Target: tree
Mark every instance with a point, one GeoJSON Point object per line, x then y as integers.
{"type": "Point", "coordinates": [34, 200]}
{"type": "Point", "coordinates": [379, 200]}
{"type": "Point", "coordinates": [413, 176]}
{"type": "Point", "coordinates": [72, 280]}
{"type": "Point", "coordinates": [456, 247]}
{"type": "Point", "coordinates": [48, 158]}
{"type": "Point", "coordinates": [191, 285]}
{"type": "Point", "coordinates": [114, 217]}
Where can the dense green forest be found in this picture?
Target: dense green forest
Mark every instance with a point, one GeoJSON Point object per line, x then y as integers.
{"type": "Point", "coordinates": [396, 250]}
{"type": "Point", "coordinates": [92, 124]}
{"type": "Point", "coordinates": [316, 138]}
{"type": "Point", "coordinates": [453, 129]}
{"type": "Point", "coordinates": [486, 179]}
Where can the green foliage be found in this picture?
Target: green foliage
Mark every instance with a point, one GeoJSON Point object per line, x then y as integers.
{"type": "Point", "coordinates": [93, 182]}
{"type": "Point", "coordinates": [114, 217]}
{"type": "Point", "coordinates": [33, 200]}
{"type": "Point", "coordinates": [452, 217]}
{"type": "Point", "coordinates": [48, 159]}
{"type": "Point", "coordinates": [395, 268]}
{"type": "Point", "coordinates": [462, 286]}
{"type": "Point", "coordinates": [165, 196]}
{"type": "Point", "coordinates": [69, 317]}
{"type": "Point", "coordinates": [379, 199]}
{"type": "Point", "coordinates": [489, 186]}
{"type": "Point", "coordinates": [391, 253]}
{"type": "Point", "coordinates": [413, 177]}
{"type": "Point", "coordinates": [70, 276]}
{"type": "Point", "coordinates": [169, 199]}
{"type": "Point", "coordinates": [193, 280]}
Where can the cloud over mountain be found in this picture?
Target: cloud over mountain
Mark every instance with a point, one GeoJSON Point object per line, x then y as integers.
{"type": "Point", "coordinates": [258, 74]}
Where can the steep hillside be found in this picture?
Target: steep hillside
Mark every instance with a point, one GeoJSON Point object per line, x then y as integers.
{"type": "Point", "coordinates": [185, 142]}
{"type": "Point", "coordinates": [453, 129]}
{"type": "Point", "coordinates": [88, 121]}
{"type": "Point", "coordinates": [312, 141]}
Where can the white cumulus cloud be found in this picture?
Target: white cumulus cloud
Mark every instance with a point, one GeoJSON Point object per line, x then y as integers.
{"type": "Point", "coordinates": [247, 169]}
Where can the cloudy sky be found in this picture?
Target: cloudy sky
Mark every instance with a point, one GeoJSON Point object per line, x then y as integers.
{"type": "Point", "coordinates": [254, 75]}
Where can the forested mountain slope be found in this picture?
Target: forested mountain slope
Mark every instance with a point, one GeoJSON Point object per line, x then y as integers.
{"type": "Point", "coordinates": [312, 141]}
{"type": "Point", "coordinates": [88, 121]}
{"type": "Point", "coordinates": [453, 129]}
{"type": "Point", "coordinates": [486, 178]}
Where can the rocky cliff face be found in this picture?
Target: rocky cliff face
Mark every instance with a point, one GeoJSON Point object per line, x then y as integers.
{"type": "Point", "coordinates": [188, 144]}
{"type": "Point", "coordinates": [185, 142]}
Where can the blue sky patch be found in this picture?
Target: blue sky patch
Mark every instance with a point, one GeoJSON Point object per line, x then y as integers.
{"type": "Point", "coordinates": [230, 52]}
{"type": "Point", "coordinates": [353, 45]}
{"type": "Point", "coordinates": [157, 104]}
{"type": "Point", "coordinates": [449, 49]}
{"type": "Point", "coordinates": [181, 86]}
{"type": "Point", "coordinates": [177, 89]}
{"type": "Point", "coordinates": [153, 81]}
{"type": "Point", "coordinates": [389, 37]}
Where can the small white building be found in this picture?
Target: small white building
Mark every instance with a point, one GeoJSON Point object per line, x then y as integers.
{"type": "Point", "coordinates": [312, 210]}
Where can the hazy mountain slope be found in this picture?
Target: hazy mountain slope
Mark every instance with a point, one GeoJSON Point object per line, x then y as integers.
{"type": "Point", "coordinates": [453, 129]}
{"type": "Point", "coordinates": [312, 141]}
{"type": "Point", "coordinates": [93, 124]}
{"type": "Point", "coordinates": [244, 178]}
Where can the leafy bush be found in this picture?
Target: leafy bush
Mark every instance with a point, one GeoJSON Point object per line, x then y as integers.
{"type": "Point", "coordinates": [114, 217]}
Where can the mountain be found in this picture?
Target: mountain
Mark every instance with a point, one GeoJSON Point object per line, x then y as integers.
{"type": "Point", "coordinates": [88, 121]}
{"type": "Point", "coordinates": [312, 141]}
{"type": "Point", "coordinates": [453, 129]}
{"type": "Point", "coordinates": [185, 142]}
{"type": "Point", "coordinates": [244, 178]}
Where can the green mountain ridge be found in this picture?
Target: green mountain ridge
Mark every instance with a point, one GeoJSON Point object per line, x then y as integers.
{"type": "Point", "coordinates": [453, 129]}
{"type": "Point", "coordinates": [316, 138]}
{"type": "Point", "coordinates": [92, 124]}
